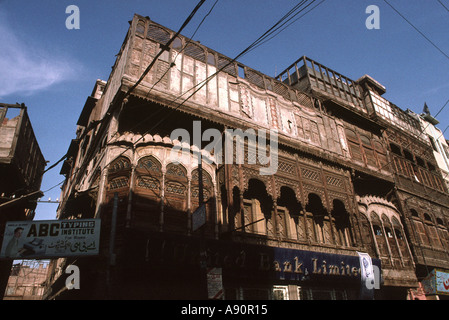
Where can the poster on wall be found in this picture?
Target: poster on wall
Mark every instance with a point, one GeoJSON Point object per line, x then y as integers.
{"type": "Point", "coordinates": [442, 282]}
{"type": "Point", "coordinates": [366, 276]}
{"type": "Point", "coordinates": [50, 239]}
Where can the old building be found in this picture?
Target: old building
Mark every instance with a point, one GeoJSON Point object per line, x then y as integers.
{"type": "Point", "coordinates": [325, 173]}
{"type": "Point", "coordinates": [21, 168]}
{"type": "Point", "coordinates": [430, 217]}
{"type": "Point", "coordinates": [27, 280]}
{"type": "Point", "coordinates": [437, 140]}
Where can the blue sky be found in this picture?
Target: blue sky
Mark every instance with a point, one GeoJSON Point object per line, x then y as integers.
{"type": "Point", "coordinates": [53, 69]}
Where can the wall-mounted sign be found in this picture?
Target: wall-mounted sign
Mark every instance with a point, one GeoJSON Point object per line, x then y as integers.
{"type": "Point", "coordinates": [214, 283]}
{"type": "Point", "coordinates": [50, 238]}
{"type": "Point", "coordinates": [436, 282]}
{"type": "Point", "coordinates": [251, 261]}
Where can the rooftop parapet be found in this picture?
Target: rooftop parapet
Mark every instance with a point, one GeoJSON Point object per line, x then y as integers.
{"type": "Point", "coordinates": [310, 76]}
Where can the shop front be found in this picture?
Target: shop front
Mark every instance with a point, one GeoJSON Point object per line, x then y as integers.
{"type": "Point", "coordinates": [195, 268]}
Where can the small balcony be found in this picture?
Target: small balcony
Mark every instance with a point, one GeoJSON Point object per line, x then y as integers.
{"type": "Point", "coordinates": [308, 75]}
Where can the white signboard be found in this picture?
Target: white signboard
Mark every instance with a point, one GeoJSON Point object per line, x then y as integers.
{"type": "Point", "coordinates": [50, 238]}
{"type": "Point", "coordinates": [215, 283]}
{"type": "Point", "coordinates": [442, 282]}
{"type": "Point", "coordinates": [366, 276]}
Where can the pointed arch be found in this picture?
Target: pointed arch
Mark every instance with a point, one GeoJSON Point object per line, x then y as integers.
{"type": "Point", "coordinates": [256, 210]}
{"type": "Point", "coordinates": [119, 172]}
{"type": "Point", "coordinates": [319, 219]}
{"type": "Point", "coordinates": [343, 234]}
{"type": "Point", "coordinates": [120, 164]}
{"type": "Point", "coordinates": [291, 208]}
{"type": "Point", "coordinates": [149, 165]}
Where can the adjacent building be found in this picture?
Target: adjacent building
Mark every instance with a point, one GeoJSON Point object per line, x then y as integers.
{"type": "Point", "coordinates": [353, 179]}
{"type": "Point", "coordinates": [437, 140]}
{"type": "Point", "coordinates": [21, 169]}
{"type": "Point", "coordinates": [27, 280]}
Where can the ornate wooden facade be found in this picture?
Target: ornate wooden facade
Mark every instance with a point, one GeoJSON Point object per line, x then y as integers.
{"type": "Point", "coordinates": [341, 183]}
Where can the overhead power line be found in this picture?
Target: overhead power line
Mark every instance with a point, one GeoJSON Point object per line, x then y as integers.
{"type": "Point", "coordinates": [186, 22]}
{"type": "Point", "coordinates": [444, 6]}
{"type": "Point", "coordinates": [201, 84]}
{"type": "Point", "coordinates": [288, 25]}
{"type": "Point", "coordinates": [166, 46]}
{"type": "Point", "coordinates": [419, 31]}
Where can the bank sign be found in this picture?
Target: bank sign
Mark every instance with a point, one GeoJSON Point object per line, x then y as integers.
{"type": "Point", "coordinates": [50, 239]}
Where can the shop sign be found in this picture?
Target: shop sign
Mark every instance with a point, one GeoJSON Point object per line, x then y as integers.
{"type": "Point", "coordinates": [301, 265]}
{"type": "Point", "coordinates": [50, 239]}
{"type": "Point", "coordinates": [436, 282]}
{"type": "Point", "coordinates": [254, 261]}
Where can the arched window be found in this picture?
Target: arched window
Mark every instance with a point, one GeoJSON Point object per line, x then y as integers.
{"type": "Point", "coordinates": [257, 216]}
{"type": "Point", "coordinates": [175, 198]}
{"type": "Point", "coordinates": [391, 241]}
{"type": "Point", "coordinates": [196, 52]}
{"type": "Point", "coordinates": [414, 213]}
{"type": "Point", "coordinates": [119, 165]}
{"type": "Point", "coordinates": [177, 43]}
{"type": "Point", "coordinates": [377, 230]}
{"type": "Point", "coordinates": [342, 223]}
{"type": "Point", "coordinates": [289, 211]}
{"type": "Point", "coordinates": [158, 34]}
{"type": "Point", "coordinates": [379, 236]}
{"type": "Point", "coordinates": [211, 59]}
{"type": "Point", "coordinates": [175, 188]}
{"type": "Point", "coordinates": [401, 241]}
{"type": "Point", "coordinates": [388, 233]}
{"type": "Point", "coordinates": [148, 178]}
{"type": "Point", "coordinates": [149, 165]}
{"type": "Point", "coordinates": [208, 189]}
{"type": "Point", "coordinates": [321, 223]}
{"type": "Point", "coordinates": [176, 171]}
{"type": "Point", "coordinates": [140, 28]}
{"type": "Point", "coordinates": [176, 181]}
{"type": "Point", "coordinates": [119, 173]}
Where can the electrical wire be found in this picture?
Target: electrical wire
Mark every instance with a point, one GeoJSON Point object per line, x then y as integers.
{"type": "Point", "coordinates": [263, 42]}
{"type": "Point", "coordinates": [166, 46]}
{"type": "Point", "coordinates": [280, 23]}
{"type": "Point", "coordinates": [186, 22]}
{"type": "Point", "coordinates": [185, 46]}
{"type": "Point", "coordinates": [201, 84]}
{"type": "Point", "coordinates": [204, 82]}
{"type": "Point", "coordinates": [447, 9]}
{"type": "Point", "coordinates": [418, 136]}
{"type": "Point", "coordinates": [419, 31]}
